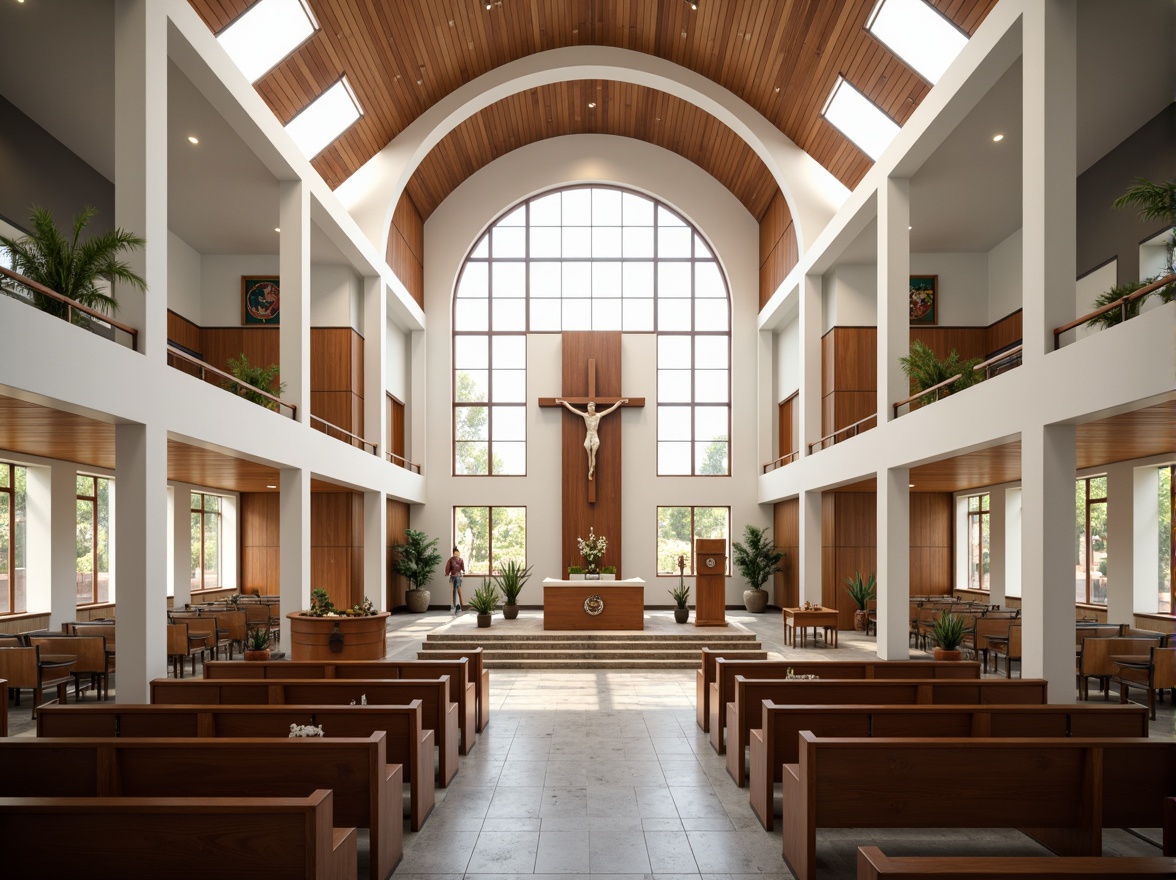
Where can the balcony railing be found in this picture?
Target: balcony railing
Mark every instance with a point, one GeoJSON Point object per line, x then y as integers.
{"type": "Point", "coordinates": [1123, 304]}
{"type": "Point", "coordinates": [195, 367]}
{"type": "Point", "coordinates": [340, 434]}
{"type": "Point", "coordinates": [848, 431]}
{"type": "Point", "coordinates": [40, 297]}
{"type": "Point", "coordinates": [401, 461]}
{"type": "Point", "coordinates": [995, 365]}
{"type": "Point", "coordinates": [781, 461]}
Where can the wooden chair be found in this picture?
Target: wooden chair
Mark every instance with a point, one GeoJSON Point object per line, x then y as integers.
{"type": "Point", "coordinates": [180, 646]}
{"type": "Point", "coordinates": [1095, 660]}
{"type": "Point", "coordinates": [21, 668]}
{"type": "Point", "coordinates": [257, 616]}
{"type": "Point", "coordinates": [233, 626]}
{"type": "Point", "coordinates": [200, 625]}
{"type": "Point", "coordinates": [1160, 674]}
{"type": "Point", "coordinates": [92, 660]}
{"type": "Point", "coordinates": [11, 640]}
{"type": "Point", "coordinates": [1010, 650]}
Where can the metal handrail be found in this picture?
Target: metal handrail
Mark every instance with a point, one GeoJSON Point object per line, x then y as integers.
{"type": "Point", "coordinates": [71, 305]}
{"type": "Point", "coordinates": [348, 438]}
{"type": "Point", "coordinates": [401, 461]}
{"type": "Point", "coordinates": [813, 447]}
{"type": "Point", "coordinates": [1121, 303]}
{"type": "Point", "coordinates": [175, 354]}
{"type": "Point", "coordinates": [1012, 353]}
{"type": "Point", "coordinates": [781, 461]}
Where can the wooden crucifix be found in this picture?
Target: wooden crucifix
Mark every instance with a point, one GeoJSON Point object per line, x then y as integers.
{"type": "Point", "coordinates": [591, 374]}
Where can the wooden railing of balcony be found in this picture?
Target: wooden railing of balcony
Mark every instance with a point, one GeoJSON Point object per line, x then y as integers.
{"type": "Point", "coordinates": [341, 434]}
{"type": "Point", "coordinates": [73, 309]}
{"type": "Point", "coordinates": [401, 461]}
{"type": "Point", "coordinates": [1005, 360]}
{"type": "Point", "coordinates": [195, 367]}
{"type": "Point", "coordinates": [1121, 304]}
{"type": "Point", "coordinates": [781, 461]}
{"type": "Point", "coordinates": [849, 431]}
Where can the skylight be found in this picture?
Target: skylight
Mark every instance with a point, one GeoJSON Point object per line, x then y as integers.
{"type": "Point", "coordinates": [859, 119]}
{"type": "Point", "coordinates": [266, 33]}
{"type": "Point", "coordinates": [918, 35]}
{"type": "Point", "coordinates": [325, 118]}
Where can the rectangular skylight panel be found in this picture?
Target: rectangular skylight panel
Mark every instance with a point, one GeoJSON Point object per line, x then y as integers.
{"type": "Point", "coordinates": [266, 33]}
{"type": "Point", "coordinates": [918, 35]}
{"type": "Point", "coordinates": [323, 120]}
{"type": "Point", "coordinates": [859, 119]}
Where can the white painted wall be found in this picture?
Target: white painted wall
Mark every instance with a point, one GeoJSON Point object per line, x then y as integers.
{"type": "Point", "coordinates": [1004, 278]}
{"type": "Point", "coordinates": [787, 345]}
{"type": "Point", "coordinates": [334, 297]}
{"type": "Point", "coordinates": [450, 232]}
{"type": "Point", "coordinates": [963, 286]}
{"type": "Point", "coordinates": [1086, 290]}
{"type": "Point", "coordinates": [396, 362]}
{"type": "Point", "coordinates": [220, 285]}
{"type": "Point", "coordinates": [183, 279]}
{"type": "Point", "coordinates": [850, 294]}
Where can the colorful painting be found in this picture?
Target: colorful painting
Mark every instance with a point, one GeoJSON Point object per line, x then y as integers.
{"type": "Point", "coordinates": [924, 299]}
{"type": "Point", "coordinates": [260, 303]}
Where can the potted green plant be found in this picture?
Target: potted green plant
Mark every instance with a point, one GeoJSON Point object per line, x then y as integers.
{"type": "Point", "coordinates": [948, 632]}
{"type": "Point", "coordinates": [513, 578]}
{"type": "Point", "coordinates": [757, 560]}
{"type": "Point", "coordinates": [926, 371]}
{"type": "Point", "coordinates": [681, 595]}
{"type": "Point", "coordinates": [575, 573]}
{"type": "Point", "coordinates": [608, 573]}
{"type": "Point", "coordinates": [416, 559]}
{"type": "Point", "coordinates": [257, 644]}
{"type": "Point", "coordinates": [71, 267]}
{"type": "Point", "coordinates": [862, 593]}
{"type": "Point", "coordinates": [251, 379]}
{"type": "Point", "coordinates": [484, 601]}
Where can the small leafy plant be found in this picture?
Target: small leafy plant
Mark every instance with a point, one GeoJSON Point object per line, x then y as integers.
{"type": "Point", "coordinates": [257, 639]}
{"type": "Point", "coordinates": [926, 371]}
{"type": "Point", "coordinates": [948, 631]}
{"type": "Point", "coordinates": [608, 569]}
{"type": "Point", "coordinates": [257, 378]}
{"type": "Point", "coordinates": [320, 603]}
{"type": "Point", "coordinates": [575, 569]}
{"type": "Point", "coordinates": [513, 578]}
{"type": "Point", "coordinates": [862, 592]}
{"type": "Point", "coordinates": [485, 599]}
{"type": "Point", "coordinates": [680, 593]}
{"type": "Point", "coordinates": [417, 558]}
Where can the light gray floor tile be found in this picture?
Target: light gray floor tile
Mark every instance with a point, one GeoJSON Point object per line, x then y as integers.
{"type": "Point", "coordinates": [618, 852]}
{"type": "Point", "coordinates": [569, 803]}
{"type": "Point", "coordinates": [669, 852]}
{"type": "Point", "coordinates": [563, 852]}
{"type": "Point", "coordinates": [439, 853]}
{"type": "Point", "coordinates": [504, 852]}
{"type": "Point", "coordinates": [515, 802]}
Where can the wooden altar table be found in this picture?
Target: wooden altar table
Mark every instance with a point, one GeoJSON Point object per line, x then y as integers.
{"type": "Point", "coordinates": [564, 604]}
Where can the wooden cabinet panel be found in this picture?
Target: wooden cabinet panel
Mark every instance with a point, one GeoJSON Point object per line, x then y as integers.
{"type": "Point", "coordinates": [856, 519]}
{"type": "Point", "coordinates": [786, 535]}
{"type": "Point", "coordinates": [397, 522]}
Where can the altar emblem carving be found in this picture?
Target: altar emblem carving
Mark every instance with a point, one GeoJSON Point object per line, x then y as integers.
{"type": "Point", "coordinates": [593, 605]}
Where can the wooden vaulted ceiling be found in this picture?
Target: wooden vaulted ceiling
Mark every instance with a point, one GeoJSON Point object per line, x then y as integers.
{"type": "Point", "coordinates": [780, 56]}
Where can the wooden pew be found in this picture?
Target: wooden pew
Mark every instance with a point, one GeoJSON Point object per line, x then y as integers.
{"type": "Point", "coordinates": [874, 865]}
{"type": "Point", "coordinates": [407, 743]}
{"type": "Point", "coordinates": [149, 838]}
{"type": "Point", "coordinates": [722, 689]}
{"type": "Point", "coordinates": [1060, 792]}
{"type": "Point", "coordinates": [438, 714]}
{"type": "Point", "coordinates": [461, 690]}
{"type": "Point", "coordinates": [368, 791]}
{"type": "Point", "coordinates": [706, 676]}
{"type": "Point", "coordinates": [774, 743]}
{"type": "Point", "coordinates": [1094, 661]}
{"type": "Point", "coordinates": [479, 675]}
{"type": "Point", "coordinates": [4, 708]}
{"type": "Point", "coordinates": [746, 712]}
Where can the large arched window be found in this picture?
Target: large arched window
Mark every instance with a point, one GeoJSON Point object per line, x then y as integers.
{"type": "Point", "coordinates": [591, 258]}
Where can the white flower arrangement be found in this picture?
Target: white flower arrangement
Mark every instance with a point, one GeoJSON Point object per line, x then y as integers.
{"type": "Point", "coordinates": [362, 700]}
{"type": "Point", "coordinates": [592, 549]}
{"type": "Point", "coordinates": [305, 730]}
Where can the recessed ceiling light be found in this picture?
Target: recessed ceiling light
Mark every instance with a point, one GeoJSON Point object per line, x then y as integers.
{"type": "Point", "coordinates": [997, 138]}
{"type": "Point", "coordinates": [277, 229]}
{"type": "Point", "coordinates": [909, 228]}
{"type": "Point", "coordinates": [192, 139]}
{"type": "Point", "coordinates": [691, 4]}
{"type": "Point", "coordinates": [591, 105]}
{"type": "Point", "coordinates": [268, 486]}
{"type": "Point", "coordinates": [910, 485]}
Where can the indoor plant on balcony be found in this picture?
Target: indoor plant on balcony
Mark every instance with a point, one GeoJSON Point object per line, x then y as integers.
{"type": "Point", "coordinates": [948, 632]}
{"type": "Point", "coordinates": [417, 559]}
{"type": "Point", "coordinates": [512, 580]}
{"type": "Point", "coordinates": [484, 601]}
{"type": "Point", "coordinates": [757, 560]}
{"type": "Point", "coordinates": [862, 593]}
{"type": "Point", "coordinates": [926, 371]}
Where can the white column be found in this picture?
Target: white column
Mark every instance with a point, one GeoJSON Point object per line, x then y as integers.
{"type": "Point", "coordinates": [415, 409]}
{"type": "Point", "coordinates": [894, 281]}
{"type": "Point", "coordinates": [960, 528]}
{"type": "Point", "coordinates": [375, 347]}
{"type": "Point", "coordinates": [294, 269]}
{"type": "Point", "coordinates": [1049, 169]}
{"type": "Point", "coordinates": [1120, 556]}
{"type": "Point", "coordinates": [375, 551]}
{"type": "Point", "coordinates": [1144, 538]}
{"type": "Point", "coordinates": [39, 539]}
{"type": "Point", "coordinates": [140, 509]}
{"type": "Point", "coordinates": [1013, 542]}
{"type": "Point", "coordinates": [1048, 456]}
{"type": "Point", "coordinates": [181, 526]}
{"type": "Point", "coordinates": [810, 364]}
{"type": "Point", "coordinates": [63, 570]}
{"type": "Point", "coordinates": [894, 563]}
{"type": "Point", "coordinates": [140, 164]}
{"type": "Point", "coordinates": [810, 548]}
{"type": "Point", "coordinates": [767, 418]}
{"type": "Point", "coordinates": [294, 553]}
{"type": "Point", "coordinates": [997, 543]}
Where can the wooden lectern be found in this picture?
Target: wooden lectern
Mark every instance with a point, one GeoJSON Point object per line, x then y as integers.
{"type": "Point", "coordinates": [710, 582]}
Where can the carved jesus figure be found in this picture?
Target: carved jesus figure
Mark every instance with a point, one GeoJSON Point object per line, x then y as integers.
{"type": "Point", "coordinates": [591, 423]}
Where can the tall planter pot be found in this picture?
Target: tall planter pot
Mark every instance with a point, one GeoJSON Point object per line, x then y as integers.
{"type": "Point", "coordinates": [418, 601]}
{"type": "Point", "coordinates": [510, 612]}
{"type": "Point", "coordinates": [755, 601]}
{"type": "Point", "coordinates": [681, 615]}
{"type": "Point", "coordinates": [859, 620]}
{"type": "Point", "coordinates": [484, 621]}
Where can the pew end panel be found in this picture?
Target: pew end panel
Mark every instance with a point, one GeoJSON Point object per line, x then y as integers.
{"type": "Point", "coordinates": [874, 865]}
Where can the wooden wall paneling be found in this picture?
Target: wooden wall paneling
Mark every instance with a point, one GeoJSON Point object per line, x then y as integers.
{"type": "Point", "coordinates": [931, 571]}
{"type": "Point", "coordinates": [397, 522]}
{"type": "Point", "coordinates": [339, 408]}
{"type": "Point", "coordinates": [931, 519]}
{"type": "Point", "coordinates": [396, 427]}
{"type": "Point", "coordinates": [260, 543]}
{"type": "Point", "coordinates": [1005, 332]}
{"type": "Point", "coordinates": [854, 359]}
{"type": "Point", "coordinates": [786, 534]}
{"type": "Point", "coordinates": [260, 345]}
{"type": "Point", "coordinates": [331, 359]}
{"type": "Point", "coordinates": [856, 519]}
{"type": "Point", "coordinates": [785, 429]}
{"type": "Point", "coordinates": [843, 408]}
{"type": "Point", "coordinates": [969, 342]}
{"type": "Point", "coordinates": [336, 531]}
{"type": "Point", "coordinates": [183, 332]}
{"type": "Point", "coordinates": [405, 252]}
{"type": "Point", "coordinates": [778, 248]}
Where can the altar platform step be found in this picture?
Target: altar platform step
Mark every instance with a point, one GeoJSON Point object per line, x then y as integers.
{"type": "Point", "coordinates": [579, 650]}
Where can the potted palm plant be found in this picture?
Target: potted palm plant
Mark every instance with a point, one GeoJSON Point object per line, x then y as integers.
{"type": "Point", "coordinates": [484, 601]}
{"type": "Point", "coordinates": [513, 578]}
{"type": "Point", "coordinates": [862, 593]}
{"type": "Point", "coordinates": [250, 377]}
{"type": "Point", "coordinates": [948, 632]}
{"type": "Point", "coordinates": [757, 560]}
{"type": "Point", "coordinates": [417, 559]}
{"type": "Point", "coordinates": [926, 371]}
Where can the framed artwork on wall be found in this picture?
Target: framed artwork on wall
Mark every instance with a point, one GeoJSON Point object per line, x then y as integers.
{"type": "Point", "coordinates": [924, 299]}
{"type": "Point", "coordinates": [260, 303]}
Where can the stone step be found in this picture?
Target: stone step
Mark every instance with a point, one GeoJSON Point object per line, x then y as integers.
{"type": "Point", "coordinates": [584, 645]}
{"type": "Point", "coordinates": [693, 656]}
{"type": "Point", "coordinates": [590, 663]}
{"type": "Point", "coordinates": [483, 636]}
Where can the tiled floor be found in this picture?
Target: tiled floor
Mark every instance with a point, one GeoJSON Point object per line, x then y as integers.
{"type": "Point", "coordinates": [607, 774]}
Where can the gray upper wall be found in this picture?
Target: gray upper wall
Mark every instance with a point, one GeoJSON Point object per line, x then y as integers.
{"type": "Point", "coordinates": [37, 169]}
{"type": "Point", "coordinates": [1105, 233]}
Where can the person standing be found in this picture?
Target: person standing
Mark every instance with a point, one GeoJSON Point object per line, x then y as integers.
{"type": "Point", "coordinates": [455, 568]}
